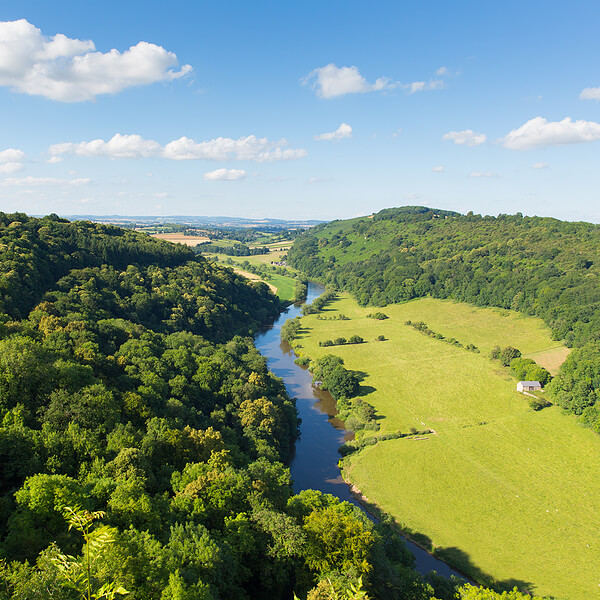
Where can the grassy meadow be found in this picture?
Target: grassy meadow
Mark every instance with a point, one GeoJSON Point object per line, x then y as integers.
{"type": "Point", "coordinates": [499, 490]}
{"type": "Point", "coordinates": [281, 285]}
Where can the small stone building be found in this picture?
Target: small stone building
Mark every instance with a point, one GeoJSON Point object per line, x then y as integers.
{"type": "Point", "coordinates": [528, 386]}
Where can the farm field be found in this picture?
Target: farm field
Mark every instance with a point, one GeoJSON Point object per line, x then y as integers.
{"type": "Point", "coordinates": [178, 238]}
{"type": "Point", "coordinates": [281, 285]}
{"type": "Point", "coordinates": [500, 491]}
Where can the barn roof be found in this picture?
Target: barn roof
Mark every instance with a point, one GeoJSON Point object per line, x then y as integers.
{"type": "Point", "coordinates": [530, 383]}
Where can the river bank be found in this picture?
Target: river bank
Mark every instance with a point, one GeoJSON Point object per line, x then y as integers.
{"type": "Point", "coordinates": [314, 464]}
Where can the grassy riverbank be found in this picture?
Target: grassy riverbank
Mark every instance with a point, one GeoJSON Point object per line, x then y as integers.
{"type": "Point", "coordinates": [493, 489]}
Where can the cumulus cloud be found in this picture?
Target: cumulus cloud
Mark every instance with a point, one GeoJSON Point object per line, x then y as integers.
{"type": "Point", "coordinates": [225, 175]}
{"type": "Point", "coordinates": [70, 70]}
{"type": "Point", "coordinates": [10, 167]}
{"type": "Point", "coordinates": [465, 138]}
{"type": "Point", "coordinates": [343, 131]}
{"type": "Point", "coordinates": [44, 181]}
{"type": "Point", "coordinates": [10, 160]}
{"type": "Point", "coordinates": [11, 155]}
{"type": "Point", "coordinates": [119, 146]}
{"type": "Point", "coordinates": [438, 169]}
{"type": "Point", "coordinates": [331, 81]}
{"type": "Point", "coordinates": [134, 146]}
{"type": "Point", "coordinates": [590, 94]}
{"type": "Point", "coordinates": [538, 133]}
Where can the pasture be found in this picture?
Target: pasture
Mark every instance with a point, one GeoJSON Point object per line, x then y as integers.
{"type": "Point", "coordinates": [499, 490]}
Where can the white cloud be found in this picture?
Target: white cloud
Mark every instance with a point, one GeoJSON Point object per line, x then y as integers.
{"type": "Point", "coordinates": [313, 180]}
{"type": "Point", "coordinates": [424, 86]}
{"type": "Point", "coordinates": [225, 175]}
{"type": "Point", "coordinates": [413, 196]}
{"type": "Point", "coordinates": [331, 81]}
{"type": "Point", "coordinates": [438, 169]}
{"type": "Point", "coordinates": [184, 148]}
{"type": "Point", "coordinates": [11, 155]}
{"type": "Point", "coordinates": [590, 94]}
{"type": "Point", "coordinates": [10, 167]}
{"type": "Point", "coordinates": [343, 131]}
{"type": "Point", "coordinates": [479, 174]}
{"type": "Point", "coordinates": [43, 181]}
{"type": "Point", "coordinates": [119, 146]}
{"type": "Point", "coordinates": [539, 132]}
{"type": "Point", "coordinates": [70, 70]}
{"type": "Point", "coordinates": [466, 138]}
{"type": "Point", "coordinates": [540, 165]}
{"type": "Point", "coordinates": [54, 160]}
{"type": "Point", "coordinates": [442, 71]}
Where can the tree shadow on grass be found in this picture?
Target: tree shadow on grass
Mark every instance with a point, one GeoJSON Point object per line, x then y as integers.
{"type": "Point", "coordinates": [364, 390]}
{"type": "Point", "coordinates": [456, 558]}
{"type": "Point", "coordinates": [461, 561]}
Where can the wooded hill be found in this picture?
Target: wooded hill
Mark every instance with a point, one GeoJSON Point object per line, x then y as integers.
{"type": "Point", "coordinates": [130, 394]}
{"type": "Point", "coordinates": [538, 266]}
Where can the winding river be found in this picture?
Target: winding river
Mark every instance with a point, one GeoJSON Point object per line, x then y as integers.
{"type": "Point", "coordinates": [315, 461]}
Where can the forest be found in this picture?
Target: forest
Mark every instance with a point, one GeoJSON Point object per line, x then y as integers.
{"type": "Point", "coordinates": [144, 442]}
{"type": "Point", "coordinates": [535, 265]}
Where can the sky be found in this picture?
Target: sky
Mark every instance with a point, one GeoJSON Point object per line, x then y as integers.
{"type": "Point", "coordinates": [299, 110]}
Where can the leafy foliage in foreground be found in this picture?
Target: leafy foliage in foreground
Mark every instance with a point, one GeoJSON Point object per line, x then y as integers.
{"type": "Point", "coordinates": [127, 391]}
{"type": "Point", "coordinates": [538, 266]}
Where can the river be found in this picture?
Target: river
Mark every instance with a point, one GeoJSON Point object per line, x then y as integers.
{"type": "Point", "coordinates": [314, 464]}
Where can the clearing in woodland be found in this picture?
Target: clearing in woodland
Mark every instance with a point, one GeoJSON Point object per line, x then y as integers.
{"type": "Point", "coordinates": [502, 492]}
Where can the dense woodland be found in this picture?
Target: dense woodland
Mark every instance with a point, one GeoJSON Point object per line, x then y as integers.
{"type": "Point", "coordinates": [538, 266]}
{"type": "Point", "coordinates": [143, 440]}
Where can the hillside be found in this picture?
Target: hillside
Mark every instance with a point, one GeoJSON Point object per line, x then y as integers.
{"type": "Point", "coordinates": [537, 266]}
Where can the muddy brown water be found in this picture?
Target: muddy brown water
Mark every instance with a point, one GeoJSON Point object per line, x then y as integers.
{"type": "Point", "coordinates": [314, 464]}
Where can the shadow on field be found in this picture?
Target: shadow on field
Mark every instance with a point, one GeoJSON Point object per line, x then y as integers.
{"type": "Point", "coordinates": [364, 390]}
{"type": "Point", "coordinates": [460, 560]}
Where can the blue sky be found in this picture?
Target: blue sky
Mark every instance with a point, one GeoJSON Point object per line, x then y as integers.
{"type": "Point", "coordinates": [299, 109]}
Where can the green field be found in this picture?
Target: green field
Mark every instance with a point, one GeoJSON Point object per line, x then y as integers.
{"type": "Point", "coordinates": [284, 286]}
{"type": "Point", "coordinates": [499, 490]}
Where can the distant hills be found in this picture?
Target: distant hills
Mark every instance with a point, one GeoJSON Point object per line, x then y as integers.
{"type": "Point", "coordinates": [194, 221]}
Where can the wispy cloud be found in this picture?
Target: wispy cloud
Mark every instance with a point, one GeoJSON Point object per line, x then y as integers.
{"type": "Point", "coordinates": [438, 169]}
{"type": "Point", "coordinates": [44, 181]}
{"type": "Point", "coordinates": [343, 131]}
{"type": "Point", "coordinates": [478, 174]}
{"type": "Point", "coordinates": [539, 133]}
{"type": "Point", "coordinates": [71, 70]}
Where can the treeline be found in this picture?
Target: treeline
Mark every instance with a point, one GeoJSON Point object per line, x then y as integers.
{"type": "Point", "coordinates": [237, 250]}
{"type": "Point", "coordinates": [536, 265]}
{"type": "Point", "coordinates": [36, 253]}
